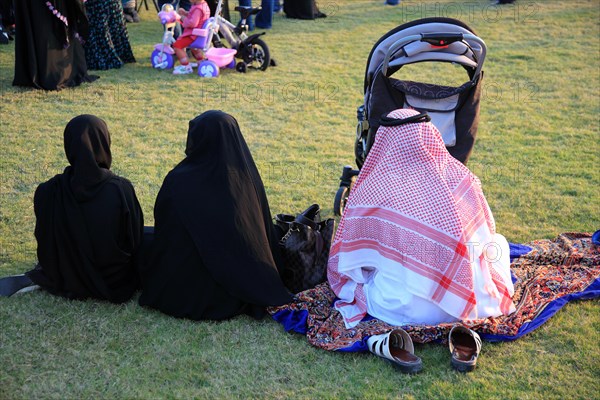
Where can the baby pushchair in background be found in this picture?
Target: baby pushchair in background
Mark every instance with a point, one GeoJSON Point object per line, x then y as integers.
{"type": "Point", "coordinates": [453, 110]}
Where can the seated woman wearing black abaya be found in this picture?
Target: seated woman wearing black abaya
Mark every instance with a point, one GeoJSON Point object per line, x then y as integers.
{"type": "Point", "coordinates": [89, 223]}
{"type": "Point", "coordinates": [212, 253]}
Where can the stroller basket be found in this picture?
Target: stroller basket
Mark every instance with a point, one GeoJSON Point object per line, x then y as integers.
{"type": "Point", "coordinates": [453, 110]}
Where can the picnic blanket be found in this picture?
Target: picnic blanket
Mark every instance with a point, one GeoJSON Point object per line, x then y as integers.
{"type": "Point", "coordinates": [546, 278]}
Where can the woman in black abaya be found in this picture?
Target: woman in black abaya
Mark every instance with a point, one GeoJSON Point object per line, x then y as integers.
{"type": "Point", "coordinates": [212, 254]}
{"type": "Point", "coordinates": [88, 221]}
{"type": "Point", "coordinates": [48, 50]}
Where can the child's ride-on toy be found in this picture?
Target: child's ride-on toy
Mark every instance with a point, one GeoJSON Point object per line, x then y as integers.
{"type": "Point", "coordinates": [252, 51]}
{"type": "Point", "coordinates": [163, 55]}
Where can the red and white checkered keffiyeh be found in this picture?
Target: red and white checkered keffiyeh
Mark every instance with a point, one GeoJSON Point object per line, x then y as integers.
{"type": "Point", "coordinates": [421, 210]}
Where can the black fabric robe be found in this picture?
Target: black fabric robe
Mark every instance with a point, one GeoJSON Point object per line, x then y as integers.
{"type": "Point", "coordinates": [302, 9]}
{"type": "Point", "coordinates": [48, 54]}
{"type": "Point", "coordinates": [88, 222]}
{"type": "Point", "coordinates": [212, 254]}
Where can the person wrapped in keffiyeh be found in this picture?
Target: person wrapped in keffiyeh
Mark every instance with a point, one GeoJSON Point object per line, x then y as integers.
{"type": "Point", "coordinates": [417, 243]}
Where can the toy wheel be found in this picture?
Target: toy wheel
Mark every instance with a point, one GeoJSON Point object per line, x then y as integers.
{"type": "Point", "coordinates": [241, 67]}
{"type": "Point", "coordinates": [257, 55]}
{"type": "Point", "coordinates": [341, 198]}
{"type": "Point", "coordinates": [231, 65]}
{"type": "Point", "coordinates": [208, 69]}
{"type": "Point", "coordinates": [161, 60]}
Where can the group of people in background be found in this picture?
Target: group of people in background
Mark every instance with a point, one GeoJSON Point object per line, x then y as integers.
{"type": "Point", "coordinates": [302, 9]}
{"type": "Point", "coordinates": [58, 41]}
{"type": "Point", "coordinates": [130, 11]}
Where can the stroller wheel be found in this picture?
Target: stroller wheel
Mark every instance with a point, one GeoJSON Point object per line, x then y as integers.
{"type": "Point", "coordinates": [341, 198]}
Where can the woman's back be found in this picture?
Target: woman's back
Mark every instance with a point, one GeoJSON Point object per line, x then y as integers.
{"type": "Point", "coordinates": [212, 254]}
{"type": "Point", "coordinates": [88, 222]}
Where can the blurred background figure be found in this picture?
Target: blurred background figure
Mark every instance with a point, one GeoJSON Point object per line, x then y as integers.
{"type": "Point", "coordinates": [264, 18]}
{"type": "Point", "coordinates": [130, 11]}
{"type": "Point", "coordinates": [302, 9]}
{"type": "Point", "coordinates": [7, 21]}
{"type": "Point", "coordinates": [108, 43]}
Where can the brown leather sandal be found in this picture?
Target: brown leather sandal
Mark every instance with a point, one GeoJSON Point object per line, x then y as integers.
{"type": "Point", "coordinates": [465, 346]}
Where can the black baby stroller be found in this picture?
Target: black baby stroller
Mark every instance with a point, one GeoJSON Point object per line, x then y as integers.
{"type": "Point", "coordinates": [453, 110]}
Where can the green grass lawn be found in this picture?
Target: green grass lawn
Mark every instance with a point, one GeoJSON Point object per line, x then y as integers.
{"type": "Point", "coordinates": [537, 154]}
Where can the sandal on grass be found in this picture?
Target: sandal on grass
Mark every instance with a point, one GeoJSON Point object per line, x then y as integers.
{"type": "Point", "coordinates": [397, 347]}
{"type": "Point", "coordinates": [465, 346]}
{"type": "Point", "coordinates": [16, 284]}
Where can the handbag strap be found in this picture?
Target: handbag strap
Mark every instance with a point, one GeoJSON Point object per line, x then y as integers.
{"type": "Point", "coordinates": [302, 219]}
{"type": "Point", "coordinates": [310, 217]}
{"type": "Point", "coordinates": [284, 218]}
{"type": "Point", "coordinates": [313, 212]}
{"type": "Point", "coordinates": [320, 243]}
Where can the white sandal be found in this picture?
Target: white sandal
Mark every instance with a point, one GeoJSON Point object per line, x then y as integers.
{"type": "Point", "coordinates": [465, 345]}
{"type": "Point", "coordinates": [397, 347]}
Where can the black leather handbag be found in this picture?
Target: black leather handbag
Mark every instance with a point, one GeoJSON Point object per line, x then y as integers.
{"type": "Point", "coordinates": [304, 243]}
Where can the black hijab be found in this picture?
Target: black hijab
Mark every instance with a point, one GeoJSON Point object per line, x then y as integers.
{"type": "Point", "coordinates": [214, 200]}
{"type": "Point", "coordinates": [87, 146]}
{"type": "Point", "coordinates": [88, 221]}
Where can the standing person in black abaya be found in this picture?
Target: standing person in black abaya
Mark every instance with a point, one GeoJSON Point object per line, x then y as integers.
{"type": "Point", "coordinates": [89, 223]}
{"type": "Point", "coordinates": [213, 255]}
{"type": "Point", "coordinates": [48, 50]}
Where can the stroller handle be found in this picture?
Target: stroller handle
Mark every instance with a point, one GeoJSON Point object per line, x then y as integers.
{"type": "Point", "coordinates": [437, 39]}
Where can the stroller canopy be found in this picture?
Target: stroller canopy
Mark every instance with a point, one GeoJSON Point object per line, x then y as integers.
{"type": "Point", "coordinates": [459, 44]}
{"type": "Point", "coordinates": [453, 110]}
